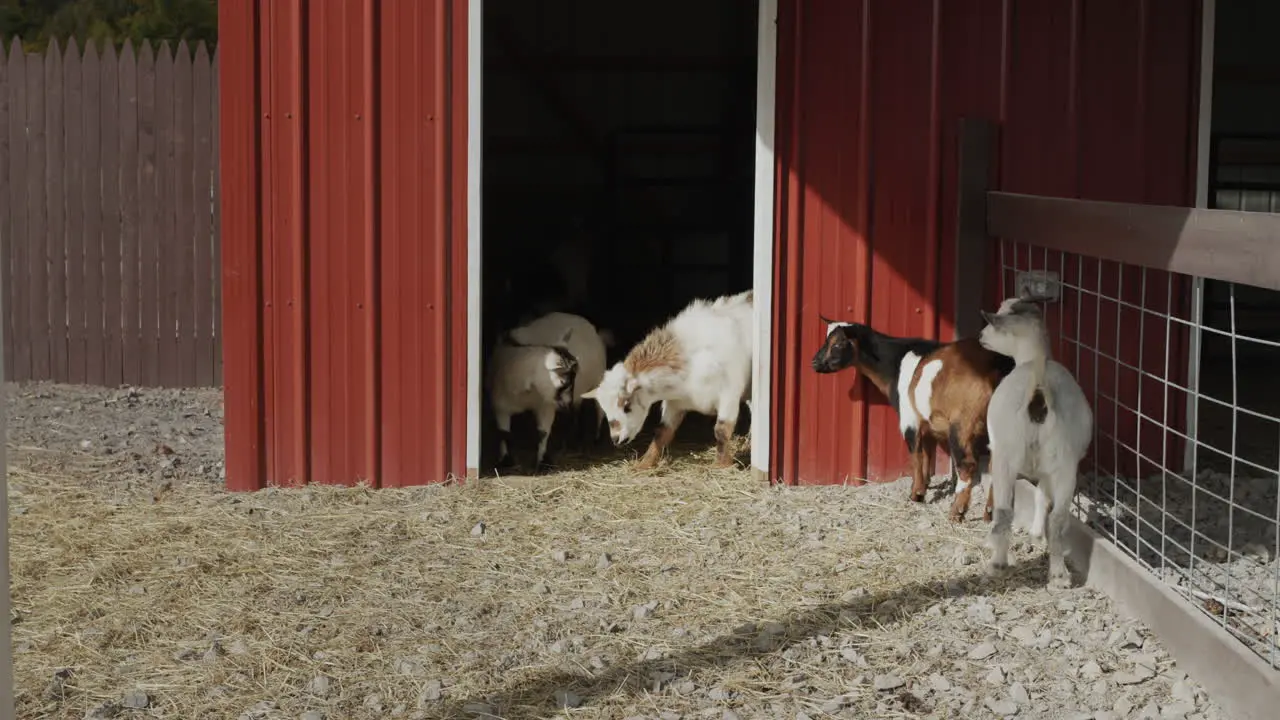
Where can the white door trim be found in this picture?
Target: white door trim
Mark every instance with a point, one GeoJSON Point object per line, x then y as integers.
{"type": "Point", "coordinates": [762, 283]}
{"type": "Point", "coordinates": [475, 143]}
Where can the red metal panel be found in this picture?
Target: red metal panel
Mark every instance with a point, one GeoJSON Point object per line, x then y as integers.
{"type": "Point", "coordinates": [1095, 99]}
{"type": "Point", "coordinates": [283, 254]}
{"type": "Point", "coordinates": [239, 148]}
{"type": "Point", "coordinates": [823, 203]}
{"type": "Point", "coordinates": [904, 205]}
{"type": "Point", "coordinates": [415, 163]}
{"type": "Point", "coordinates": [353, 282]}
{"type": "Point", "coordinates": [973, 45]}
{"type": "Point", "coordinates": [456, 299]}
{"type": "Point", "coordinates": [341, 118]}
{"type": "Point", "coordinates": [786, 265]}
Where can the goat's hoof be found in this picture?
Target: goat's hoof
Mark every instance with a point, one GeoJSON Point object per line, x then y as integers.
{"type": "Point", "coordinates": [986, 516]}
{"type": "Point", "coordinates": [505, 463]}
{"type": "Point", "coordinates": [645, 464]}
{"type": "Point", "coordinates": [917, 497]}
{"type": "Point", "coordinates": [956, 516]}
{"type": "Point", "coordinates": [1060, 582]}
{"type": "Point", "coordinates": [545, 466]}
{"type": "Point", "coordinates": [725, 463]}
{"type": "Point", "coordinates": [996, 567]}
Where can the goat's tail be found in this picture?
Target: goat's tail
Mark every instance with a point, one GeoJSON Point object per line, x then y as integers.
{"type": "Point", "coordinates": [1039, 396]}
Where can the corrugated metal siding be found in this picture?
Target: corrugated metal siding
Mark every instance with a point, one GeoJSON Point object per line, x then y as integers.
{"type": "Point", "coordinates": [343, 157]}
{"type": "Point", "coordinates": [1094, 99]}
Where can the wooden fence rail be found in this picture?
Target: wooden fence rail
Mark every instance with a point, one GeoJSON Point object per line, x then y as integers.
{"type": "Point", "coordinates": [108, 215]}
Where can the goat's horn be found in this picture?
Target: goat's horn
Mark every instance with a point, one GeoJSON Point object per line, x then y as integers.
{"type": "Point", "coordinates": [826, 320]}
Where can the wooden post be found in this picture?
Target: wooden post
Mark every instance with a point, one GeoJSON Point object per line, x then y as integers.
{"type": "Point", "coordinates": [977, 145]}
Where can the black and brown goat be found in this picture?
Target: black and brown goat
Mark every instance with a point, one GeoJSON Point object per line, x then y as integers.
{"type": "Point", "coordinates": [940, 391]}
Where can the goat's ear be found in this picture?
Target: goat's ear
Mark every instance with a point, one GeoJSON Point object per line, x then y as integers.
{"type": "Point", "coordinates": [990, 318]}
{"type": "Point", "coordinates": [564, 339]}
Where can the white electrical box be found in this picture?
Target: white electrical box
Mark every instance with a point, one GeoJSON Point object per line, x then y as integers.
{"type": "Point", "coordinates": [1041, 283]}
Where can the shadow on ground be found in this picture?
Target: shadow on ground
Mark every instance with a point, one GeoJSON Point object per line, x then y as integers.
{"type": "Point", "coordinates": [543, 695]}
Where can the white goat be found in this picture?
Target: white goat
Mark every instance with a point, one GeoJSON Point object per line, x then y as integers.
{"type": "Point", "coordinates": [1040, 425]}
{"type": "Point", "coordinates": [526, 377]}
{"type": "Point", "coordinates": [699, 360]}
{"type": "Point", "coordinates": [585, 342]}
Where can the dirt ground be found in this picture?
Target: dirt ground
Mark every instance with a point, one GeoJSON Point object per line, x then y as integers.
{"type": "Point", "coordinates": [141, 589]}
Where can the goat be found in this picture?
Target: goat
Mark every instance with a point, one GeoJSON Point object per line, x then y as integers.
{"type": "Point", "coordinates": [586, 343]}
{"type": "Point", "coordinates": [528, 377]}
{"type": "Point", "coordinates": [939, 390]}
{"type": "Point", "coordinates": [698, 360]}
{"type": "Point", "coordinates": [1040, 426]}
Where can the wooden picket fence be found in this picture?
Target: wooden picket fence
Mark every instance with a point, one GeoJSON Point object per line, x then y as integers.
{"type": "Point", "coordinates": [109, 248]}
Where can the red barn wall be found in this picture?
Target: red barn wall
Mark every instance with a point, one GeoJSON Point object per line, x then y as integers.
{"type": "Point", "coordinates": [343, 150]}
{"type": "Point", "coordinates": [1093, 99]}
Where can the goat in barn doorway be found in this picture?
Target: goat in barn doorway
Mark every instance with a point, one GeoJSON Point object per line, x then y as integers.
{"type": "Point", "coordinates": [544, 366]}
{"type": "Point", "coordinates": [700, 360]}
{"type": "Point", "coordinates": [939, 390]}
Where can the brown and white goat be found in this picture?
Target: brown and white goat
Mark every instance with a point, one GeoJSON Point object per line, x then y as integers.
{"type": "Point", "coordinates": [699, 360]}
{"type": "Point", "coordinates": [940, 391]}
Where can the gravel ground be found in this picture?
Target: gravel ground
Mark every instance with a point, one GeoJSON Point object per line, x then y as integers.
{"type": "Point", "coordinates": [143, 590]}
{"type": "Point", "coordinates": [1228, 567]}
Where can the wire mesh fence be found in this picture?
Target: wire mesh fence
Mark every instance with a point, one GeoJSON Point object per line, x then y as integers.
{"type": "Point", "coordinates": [1182, 472]}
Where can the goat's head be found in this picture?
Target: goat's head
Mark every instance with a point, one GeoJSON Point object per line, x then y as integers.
{"type": "Point", "coordinates": [843, 347]}
{"type": "Point", "coordinates": [1016, 329]}
{"type": "Point", "coordinates": [563, 367]}
{"type": "Point", "coordinates": [625, 399]}
{"type": "Point", "coordinates": [560, 364]}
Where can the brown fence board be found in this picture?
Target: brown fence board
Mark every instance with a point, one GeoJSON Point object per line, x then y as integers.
{"type": "Point", "coordinates": [167, 138]}
{"type": "Point", "coordinates": [37, 261]}
{"type": "Point", "coordinates": [130, 226]}
{"type": "Point", "coordinates": [91, 119]}
{"type": "Point", "coordinates": [1231, 245]}
{"type": "Point", "coordinates": [111, 260]}
{"type": "Point", "coordinates": [16, 216]}
{"type": "Point", "coordinates": [182, 269]}
{"type": "Point", "coordinates": [74, 182]}
{"type": "Point", "coordinates": [217, 232]}
{"type": "Point", "coordinates": [202, 220]}
{"type": "Point", "coordinates": [149, 198]}
{"type": "Point", "coordinates": [111, 305]}
{"type": "Point", "coordinates": [6, 224]}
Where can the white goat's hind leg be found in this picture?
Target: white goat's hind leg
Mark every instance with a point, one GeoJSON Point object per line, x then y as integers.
{"type": "Point", "coordinates": [1041, 512]}
{"type": "Point", "coordinates": [546, 417]}
{"type": "Point", "coordinates": [503, 419]}
{"type": "Point", "coordinates": [1063, 488]}
{"type": "Point", "coordinates": [1003, 479]}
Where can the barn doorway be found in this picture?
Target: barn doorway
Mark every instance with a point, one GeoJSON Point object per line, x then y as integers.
{"type": "Point", "coordinates": [619, 149]}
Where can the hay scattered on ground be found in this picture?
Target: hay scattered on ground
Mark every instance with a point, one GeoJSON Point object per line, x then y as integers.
{"type": "Point", "coordinates": [591, 593]}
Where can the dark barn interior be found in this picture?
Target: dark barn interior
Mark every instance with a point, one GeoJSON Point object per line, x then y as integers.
{"type": "Point", "coordinates": [1244, 174]}
{"type": "Point", "coordinates": [619, 150]}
